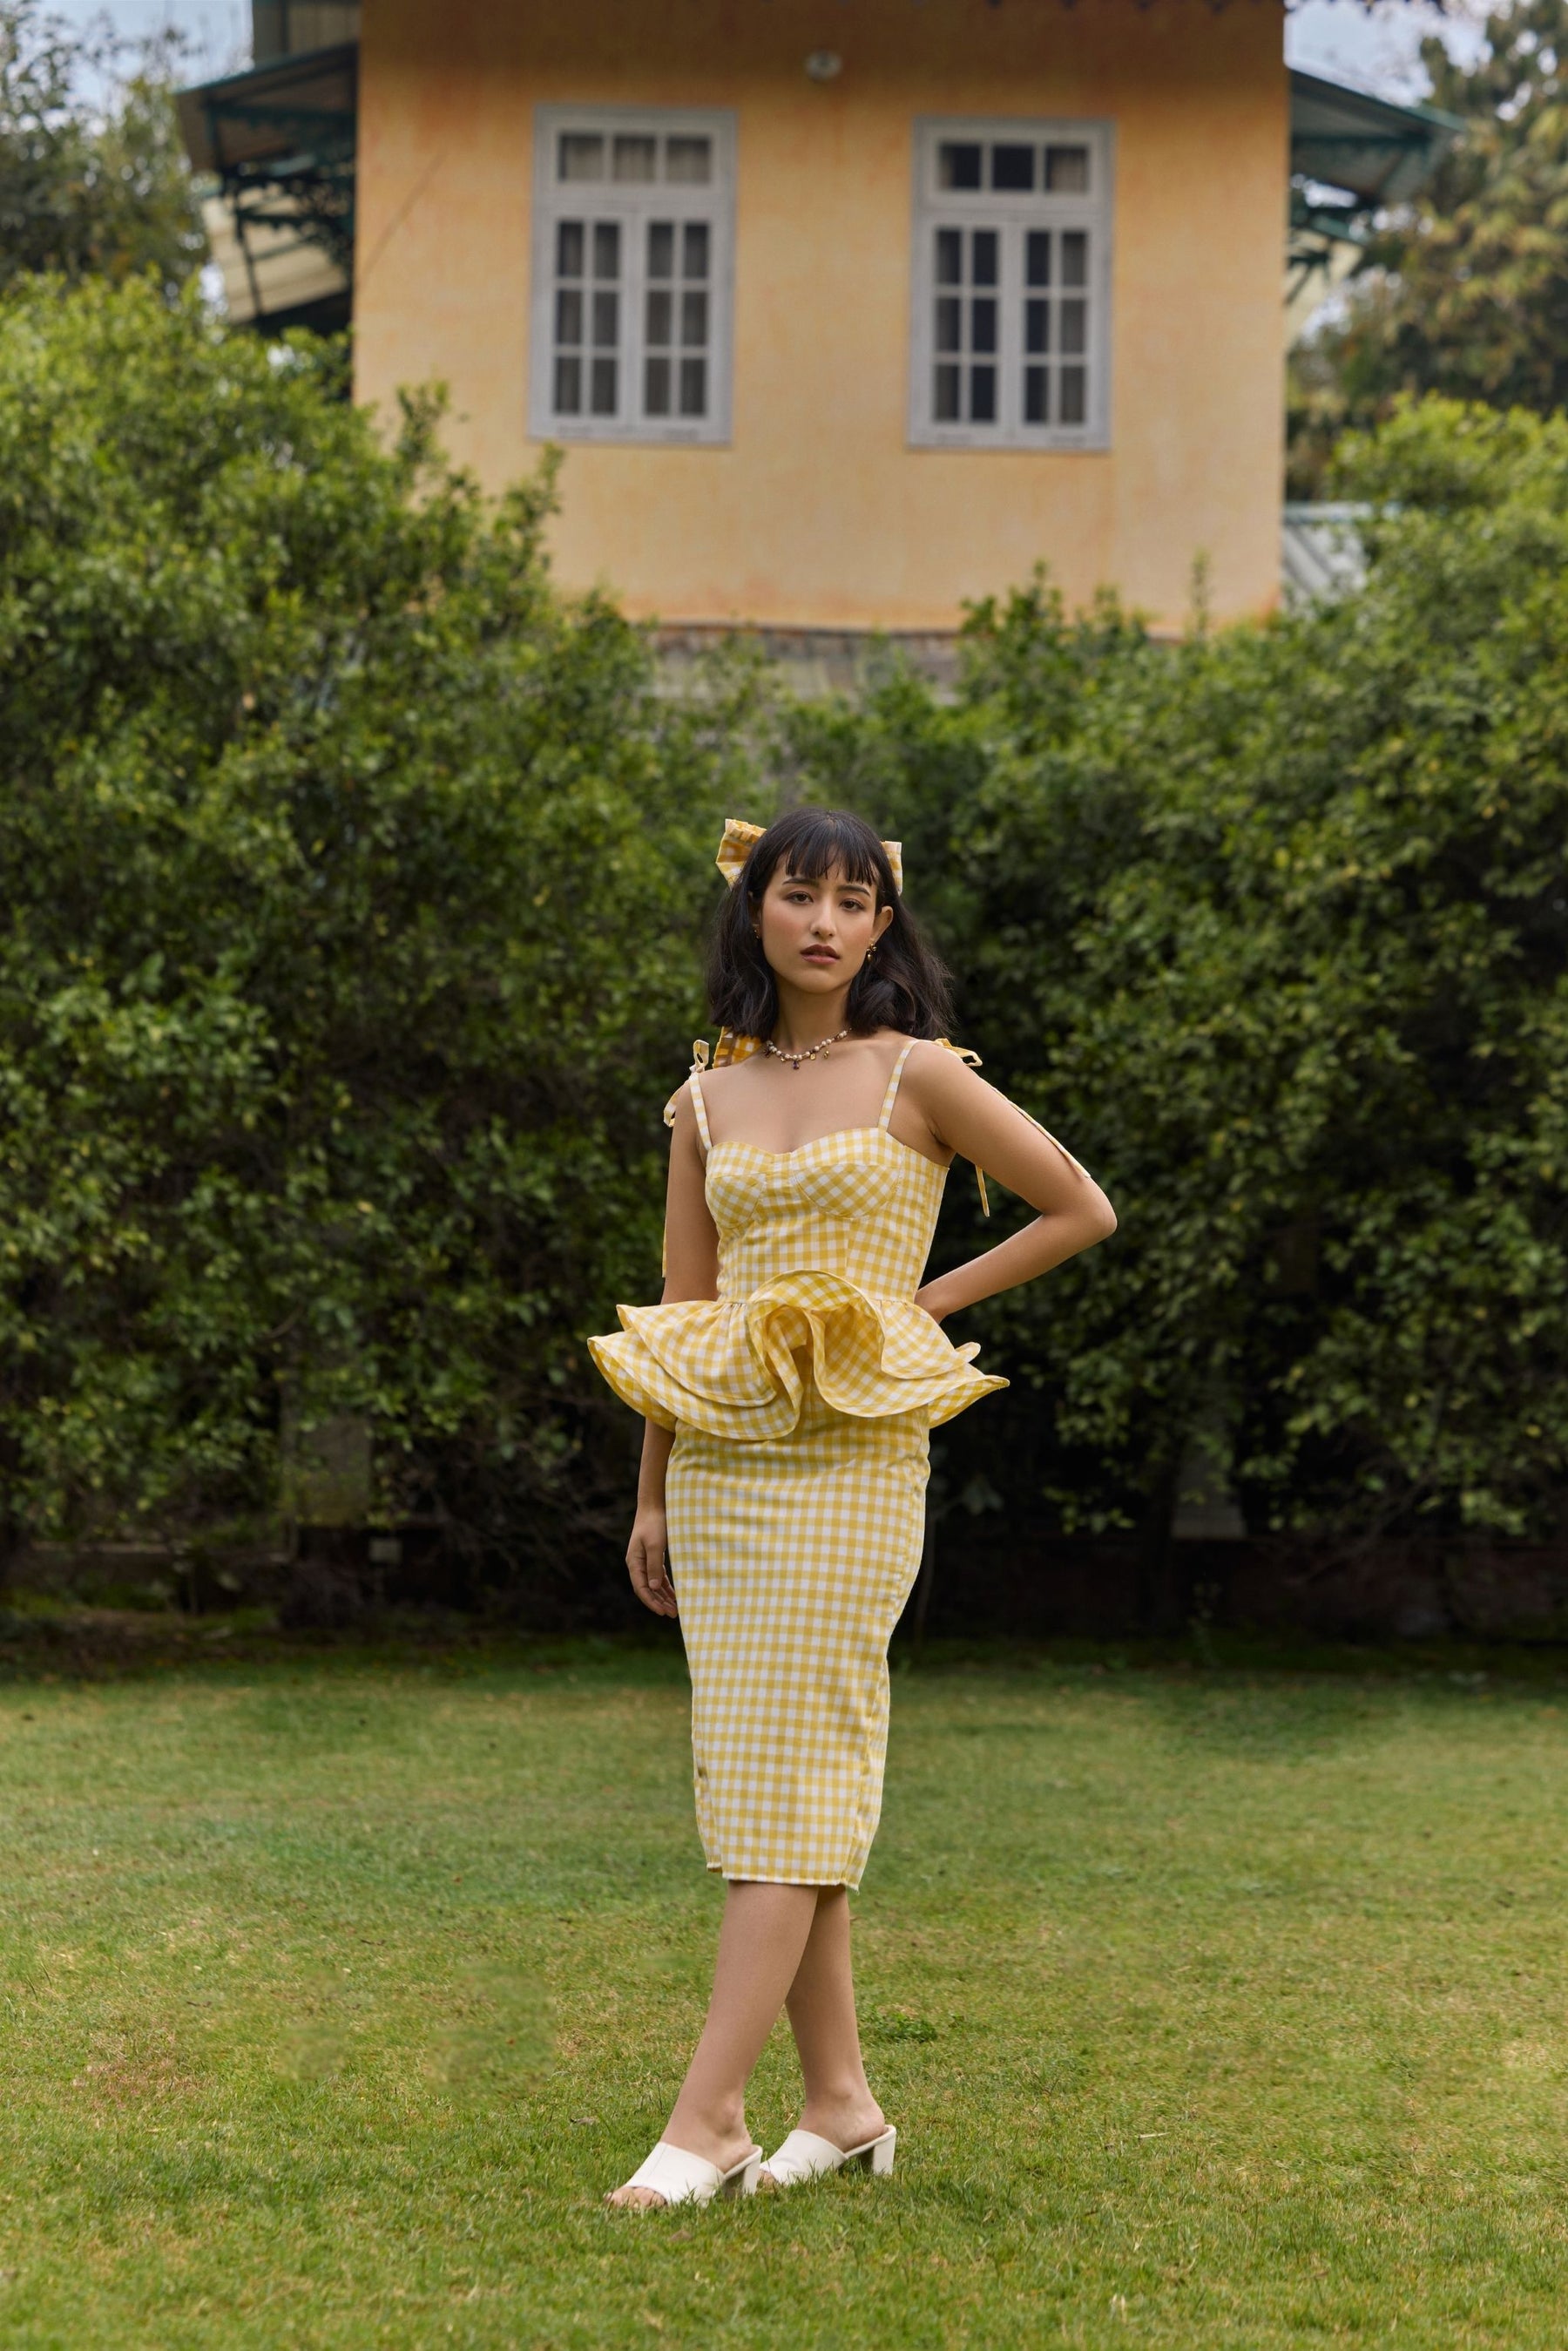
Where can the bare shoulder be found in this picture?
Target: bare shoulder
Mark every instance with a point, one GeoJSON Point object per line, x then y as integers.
{"type": "Point", "coordinates": [936, 1074]}
{"type": "Point", "coordinates": [717, 1084]}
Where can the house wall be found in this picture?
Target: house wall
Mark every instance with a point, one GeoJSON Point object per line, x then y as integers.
{"type": "Point", "coordinates": [818, 512]}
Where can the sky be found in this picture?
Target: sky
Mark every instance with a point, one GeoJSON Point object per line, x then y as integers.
{"type": "Point", "coordinates": [218, 32]}
{"type": "Point", "coordinates": [1377, 49]}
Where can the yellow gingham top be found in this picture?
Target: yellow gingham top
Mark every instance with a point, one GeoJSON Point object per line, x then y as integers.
{"type": "Point", "coordinates": [821, 1250]}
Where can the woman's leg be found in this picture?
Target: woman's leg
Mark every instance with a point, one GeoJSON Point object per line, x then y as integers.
{"type": "Point", "coordinates": [838, 2101]}
{"type": "Point", "coordinates": [762, 1939]}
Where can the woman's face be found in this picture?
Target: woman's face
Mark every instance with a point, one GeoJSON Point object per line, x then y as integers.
{"type": "Point", "coordinates": [817, 935]}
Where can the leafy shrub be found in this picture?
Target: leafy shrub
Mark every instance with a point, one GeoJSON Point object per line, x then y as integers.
{"type": "Point", "coordinates": [1272, 927]}
{"type": "Point", "coordinates": [347, 947]}
{"type": "Point", "coordinates": [352, 884]}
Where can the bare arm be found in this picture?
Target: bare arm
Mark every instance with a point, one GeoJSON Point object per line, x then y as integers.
{"type": "Point", "coordinates": [968, 1116]}
{"type": "Point", "coordinates": [691, 1270]}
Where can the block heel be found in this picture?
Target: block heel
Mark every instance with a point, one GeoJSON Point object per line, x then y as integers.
{"type": "Point", "coordinates": [803, 2155]}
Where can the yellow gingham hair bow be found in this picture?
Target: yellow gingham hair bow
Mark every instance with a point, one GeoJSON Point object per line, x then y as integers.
{"type": "Point", "coordinates": [740, 838]}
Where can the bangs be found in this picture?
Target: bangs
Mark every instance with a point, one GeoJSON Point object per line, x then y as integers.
{"type": "Point", "coordinates": [814, 841]}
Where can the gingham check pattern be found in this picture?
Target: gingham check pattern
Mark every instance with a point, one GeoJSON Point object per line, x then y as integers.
{"type": "Point", "coordinates": [820, 1253]}
{"type": "Point", "coordinates": [803, 1397]}
{"type": "Point", "coordinates": [793, 1560]}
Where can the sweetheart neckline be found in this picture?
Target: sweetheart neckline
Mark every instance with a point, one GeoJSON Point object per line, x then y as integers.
{"type": "Point", "coordinates": [834, 1134]}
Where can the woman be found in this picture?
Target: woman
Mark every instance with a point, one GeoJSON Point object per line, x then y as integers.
{"type": "Point", "coordinates": [789, 1381]}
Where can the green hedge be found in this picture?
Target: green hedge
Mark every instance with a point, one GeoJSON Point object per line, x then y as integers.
{"type": "Point", "coordinates": [353, 881]}
{"type": "Point", "coordinates": [1273, 926]}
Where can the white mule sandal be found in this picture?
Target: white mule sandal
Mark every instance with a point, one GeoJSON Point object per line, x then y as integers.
{"type": "Point", "coordinates": [804, 2157]}
{"type": "Point", "coordinates": [682, 2177]}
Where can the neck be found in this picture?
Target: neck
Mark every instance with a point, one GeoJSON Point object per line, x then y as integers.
{"type": "Point", "coordinates": [804, 1021]}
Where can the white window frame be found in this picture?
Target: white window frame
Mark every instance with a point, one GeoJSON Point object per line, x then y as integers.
{"type": "Point", "coordinates": [633, 206]}
{"type": "Point", "coordinates": [937, 207]}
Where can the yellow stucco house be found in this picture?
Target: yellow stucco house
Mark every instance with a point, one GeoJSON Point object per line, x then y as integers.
{"type": "Point", "coordinates": [843, 312]}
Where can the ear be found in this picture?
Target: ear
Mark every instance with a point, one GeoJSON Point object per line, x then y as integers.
{"type": "Point", "coordinates": [884, 916]}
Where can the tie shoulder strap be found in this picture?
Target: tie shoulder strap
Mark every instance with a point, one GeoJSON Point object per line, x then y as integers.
{"type": "Point", "coordinates": [891, 1096]}
{"type": "Point", "coordinates": [693, 1086]}
{"type": "Point", "coordinates": [967, 1053]}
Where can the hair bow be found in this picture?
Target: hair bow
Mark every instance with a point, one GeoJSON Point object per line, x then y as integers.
{"type": "Point", "coordinates": [740, 838]}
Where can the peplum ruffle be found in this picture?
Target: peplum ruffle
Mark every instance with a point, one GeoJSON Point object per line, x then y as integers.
{"type": "Point", "coordinates": [733, 1366]}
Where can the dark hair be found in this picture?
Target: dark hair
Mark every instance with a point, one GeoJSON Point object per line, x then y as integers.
{"type": "Point", "coordinates": [904, 986]}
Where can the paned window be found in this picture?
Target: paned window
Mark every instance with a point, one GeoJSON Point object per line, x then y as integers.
{"type": "Point", "coordinates": [1012, 276]}
{"type": "Point", "coordinates": [633, 220]}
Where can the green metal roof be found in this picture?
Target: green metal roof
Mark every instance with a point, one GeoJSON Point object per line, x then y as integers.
{"type": "Point", "coordinates": [280, 142]}
{"type": "Point", "coordinates": [1353, 155]}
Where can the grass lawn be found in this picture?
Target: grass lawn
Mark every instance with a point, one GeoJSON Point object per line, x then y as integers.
{"type": "Point", "coordinates": [1218, 2007]}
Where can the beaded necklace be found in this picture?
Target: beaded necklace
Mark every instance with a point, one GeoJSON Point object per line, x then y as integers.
{"type": "Point", "coordinates": [808, 1053]}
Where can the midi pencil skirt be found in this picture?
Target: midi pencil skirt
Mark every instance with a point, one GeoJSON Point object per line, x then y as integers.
{"type": "Point", "coordinates": [791, 1560]}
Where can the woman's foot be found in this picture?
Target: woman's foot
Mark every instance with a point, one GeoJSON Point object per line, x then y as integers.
{"type": "Point", "coordinates": [726, 2154]}
{"type": "Point", "coordinates": [844, 2123]}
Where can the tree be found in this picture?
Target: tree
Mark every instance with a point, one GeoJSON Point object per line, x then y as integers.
{"type": "Point", "coordinates": [1465, 292]}
{"type": "Point", "coordinates": [88, 190]}
{"type": "Point", "coordinates": [1271, 928]}
{"type": "Point", "coordinates": [353, 879]}
{"type": "Point", "coordinates": [347, 947]}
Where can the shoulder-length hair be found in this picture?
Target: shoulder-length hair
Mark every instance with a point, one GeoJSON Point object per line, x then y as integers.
{"type": "Point", "coordinates": [903, 986]}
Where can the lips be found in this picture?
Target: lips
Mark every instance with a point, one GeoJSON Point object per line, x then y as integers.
{"type": "Point", "coordinates": [820, 955]}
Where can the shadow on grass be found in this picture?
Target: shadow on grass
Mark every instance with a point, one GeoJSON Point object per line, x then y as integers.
{"type": "Point", "coordinates": [50, 1640]}
{"type": "Point", "coordinates": [56, 1642]}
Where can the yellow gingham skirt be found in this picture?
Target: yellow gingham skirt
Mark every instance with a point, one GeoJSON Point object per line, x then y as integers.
{"type": "Point", "coordinates": [791, 1559]}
